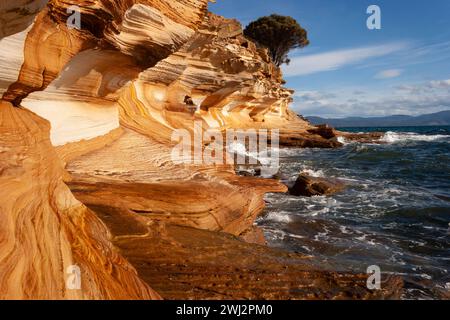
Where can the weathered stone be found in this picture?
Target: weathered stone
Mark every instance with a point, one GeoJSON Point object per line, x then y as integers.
{"type": "Point", "coordinates": [112, 94]}
{"type": "Point", "coordinates": [186, 263]}
{"type": "Point", "coordinates": [308, 186]}
{"type": "Point", "coordinates": [325, 131]}
{"type": "Point", "coordinates": [45, 230]}
{"type": "Point", "coordinates": [371, 137]}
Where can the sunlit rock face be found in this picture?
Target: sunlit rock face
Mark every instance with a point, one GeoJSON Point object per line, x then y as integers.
{"type": "Point", "coordinates": [140, 60]}
{"type": "Point", "coordinates": [16, 19]}
{"type": "Point", "coordinates": [63, 65]}
{"type": "Point", "coordinates": [45, 230]}
{"type": "Point", "coordinates": [71, 78]}
{"type": "Point", "coordinates": [149, 36]}
{"type": "Point", "coordinates": [86, 120]}
{"type": "Point", "coordinates": [11, 58]}
{"type": "Point", "coordinates": [87, 90]}
{"type": "Point", "coordinates": [231, 81]}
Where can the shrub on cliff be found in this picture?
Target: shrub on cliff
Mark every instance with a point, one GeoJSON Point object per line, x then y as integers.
{"type": "Point", "coordinates": [280, 34]}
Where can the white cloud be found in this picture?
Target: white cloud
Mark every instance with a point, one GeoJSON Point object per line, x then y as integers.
{"type": "Point", "coordinates": [428, 87]}
{"type": "Point", "coordinates": [333, 60]}
{"type": "Point", "coordinates": [314, 95]}
{"type": "Point", "coordinates": [440, 84]}
{"type": "Point", "coordinates": [388, 74]}
{"type": "Point", "coordinates": [410, 99]}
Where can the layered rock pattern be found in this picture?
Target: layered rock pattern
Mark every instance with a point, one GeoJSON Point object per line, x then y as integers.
{"type": "Point", "coordinates": [17, 15]}
{"type": "Point", "coordinates": [94, 110]}
{"type": "Point", "coordinates": [45, 230]}
{"type": "Point", "coordinates": [201, 264]}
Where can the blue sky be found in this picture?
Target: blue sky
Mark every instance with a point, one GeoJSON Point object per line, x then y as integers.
{"type": "Point", "coordinates": [349, 70]}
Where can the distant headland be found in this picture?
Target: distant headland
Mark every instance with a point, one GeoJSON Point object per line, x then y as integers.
{"type": "Point", "coordinates": [434, 119]}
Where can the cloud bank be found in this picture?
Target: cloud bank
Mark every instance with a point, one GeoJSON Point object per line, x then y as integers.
{"type": "Point", "coordinates": [334, 60]}
{"type": "Point", "coordinates": [416, 99]}
{"type": "Point", "coordinates": [388, 74]}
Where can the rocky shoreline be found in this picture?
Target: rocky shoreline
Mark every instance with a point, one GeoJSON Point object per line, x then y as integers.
{"type": "Point", "coordinates": [185, 250]}
{"type": "Point", "coordinates": [86, 119]}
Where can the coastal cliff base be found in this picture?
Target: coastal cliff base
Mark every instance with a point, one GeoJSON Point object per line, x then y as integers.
{"type": "Point", "coordinates": [186, 263]}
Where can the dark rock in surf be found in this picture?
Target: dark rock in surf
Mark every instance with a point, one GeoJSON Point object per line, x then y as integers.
{"type": "Point", "coordinates": [325, 131]}
{"type": "Point", "coordinates": [308, 186]}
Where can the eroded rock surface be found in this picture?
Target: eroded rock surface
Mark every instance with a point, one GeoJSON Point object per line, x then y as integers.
{"type": "Point", "coordinates": [95, 109]}
{"type": "Point", "coordinates": [200, 264]}
{"type": "Point", "coordinates": [45, 230]}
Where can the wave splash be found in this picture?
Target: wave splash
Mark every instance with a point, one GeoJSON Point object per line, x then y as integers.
{"type": "Point", "coordinates": [396, 137]}
{"type": "Point", "coordinates": [393, 213]}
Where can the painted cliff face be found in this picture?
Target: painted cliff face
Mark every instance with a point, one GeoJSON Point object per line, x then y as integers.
{"type": "Point", "coordinates": [86, 120]}
{"type": "Point", "coordinates": [50, 67]}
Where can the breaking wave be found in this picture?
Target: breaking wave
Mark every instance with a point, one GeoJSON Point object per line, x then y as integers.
{"type": "Point", "coordinates": [395, 137]}
{"type": "Point", "coordinates": [393, 213]}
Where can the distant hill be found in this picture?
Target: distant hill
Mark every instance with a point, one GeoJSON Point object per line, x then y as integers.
{"type": "Point", "coordinates": [435, 119]}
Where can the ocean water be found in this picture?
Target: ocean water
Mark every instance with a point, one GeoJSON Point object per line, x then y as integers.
{"type": "Point", "coordinates": [394, 213]}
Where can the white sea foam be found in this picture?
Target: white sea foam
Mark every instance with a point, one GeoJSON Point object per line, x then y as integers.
{"type": "Point", "coordinates": [289, 152]}
{"type": "Point", "coordinates": [426, 276]}
{"type": "Point", "coordinates": [394, 137]}
{"type": "Point", "coordinates": [314, 173]}
{"type": "Point", "coordinates": [319, 212]}
{"type": "Point", "coordinates": [344, 230]}
{"type": "Point", "coordinates": [279, 216]}
{"type": "Point", "coordinates": [342, 140]}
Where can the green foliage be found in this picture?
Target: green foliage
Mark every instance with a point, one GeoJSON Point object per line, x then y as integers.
{"type": "Point", "coordinates": [280, 34]}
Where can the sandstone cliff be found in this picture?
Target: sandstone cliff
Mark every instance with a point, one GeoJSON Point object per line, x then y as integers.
{"type": "Point", "coordinates": [86, 175]}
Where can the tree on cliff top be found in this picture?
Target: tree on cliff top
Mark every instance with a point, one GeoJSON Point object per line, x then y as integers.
{"type": "Point", "coordinates": [280, 34]}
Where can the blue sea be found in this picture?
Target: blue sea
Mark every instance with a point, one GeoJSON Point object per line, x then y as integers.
{"type": "Point", "coordinates": [395, 212]}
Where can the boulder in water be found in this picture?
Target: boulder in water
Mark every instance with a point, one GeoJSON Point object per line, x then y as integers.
{"type": "Point", "coordinates": [309, 186]}
{"type": "Point", "coordinates": [324, 130]}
